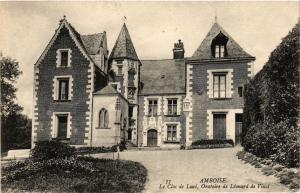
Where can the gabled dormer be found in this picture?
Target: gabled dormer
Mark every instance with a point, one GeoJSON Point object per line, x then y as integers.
{"type": "Point", "coordinates": [218, 44]}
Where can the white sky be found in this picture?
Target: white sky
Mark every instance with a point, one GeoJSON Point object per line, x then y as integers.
{"type": "Point", "coordinates": [27, 27]}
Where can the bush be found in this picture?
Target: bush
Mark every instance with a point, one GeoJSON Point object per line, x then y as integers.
{"type": "Point", "coordinates": [271, 105]}
{"type": "Point", "coordinates": [91, 150]}
{"type": "Point", "coordinates": [45, 150]}
{"type": "Point", "coordinates": [205, 142]}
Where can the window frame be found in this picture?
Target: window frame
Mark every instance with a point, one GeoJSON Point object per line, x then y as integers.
{"type": "Point", "coordinates": [173, 111]}
{"type": "Point", "coordinates": [151, 105]}
{"type": "Point", "coordinates": [103, 119]}
{"type": "Point", "coordinates": [172, 128]}
{"type": "Point", "coordinates": [54, 132]}
{"type": "Point", "coordinates": [219, 75]}
{"type": "Point", "coordinates": [59, 58]}
{"type": "Point", "coordinates": [57, 91]}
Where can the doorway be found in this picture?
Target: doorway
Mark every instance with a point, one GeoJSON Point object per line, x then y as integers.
{"type": "Point", "coordinates": [219, 126]}
{"type": "Point", "coordinates": [152, 137]}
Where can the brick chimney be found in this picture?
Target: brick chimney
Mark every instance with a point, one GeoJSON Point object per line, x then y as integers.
{"type": "Point", "coordinates": [178, 50]}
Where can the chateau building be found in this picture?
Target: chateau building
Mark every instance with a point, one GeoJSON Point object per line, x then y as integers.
{"type": "Point", "coordinates": [89, 97]}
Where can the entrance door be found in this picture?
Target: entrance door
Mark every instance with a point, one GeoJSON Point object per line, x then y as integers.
{"type": "Point", "coordinates": [219, 126]}
{"type": "Point", "coordinates": [152, 138]}
{"type": "Point", "coordinates": [62, 126]}
{"type": "Point", "coordinates": [238, 127]}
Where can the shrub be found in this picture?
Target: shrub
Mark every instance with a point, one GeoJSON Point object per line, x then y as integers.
{"type": "Point", "coordinates": [91, 150]}
{"type": "Point", "coordinates": [45, 150]}
{"type": "Point", "coordinates": [271, 105]}
{"type": "Point", "coordinates": [212, 142]}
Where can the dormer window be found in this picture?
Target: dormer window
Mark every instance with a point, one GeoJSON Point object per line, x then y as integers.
{"type": "Point", "coordinates": [218, 46]}
{"type": "Point", "coordinates": [219, 51]}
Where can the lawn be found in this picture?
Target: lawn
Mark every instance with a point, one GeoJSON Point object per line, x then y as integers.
{"type": "Point", "coordinates": [80, 174]}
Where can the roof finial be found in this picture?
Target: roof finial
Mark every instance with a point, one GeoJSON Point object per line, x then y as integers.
{"type": "Point", "coordinates": [216, 17]}
{"type": "Point", "coordinates": [124, 19]}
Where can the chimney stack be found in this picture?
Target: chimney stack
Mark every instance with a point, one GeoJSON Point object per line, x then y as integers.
{"type": "Point", "coordinates": [178, 50]}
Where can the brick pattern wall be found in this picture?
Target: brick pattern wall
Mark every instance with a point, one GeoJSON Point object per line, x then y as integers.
{"type": "Point", "coordinates": [79, 107]}
{"type": "Point", "coordinates": [201, 101]}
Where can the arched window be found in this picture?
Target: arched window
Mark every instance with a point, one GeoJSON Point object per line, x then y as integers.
{"type": "Point", "coordinates": [103, 118]}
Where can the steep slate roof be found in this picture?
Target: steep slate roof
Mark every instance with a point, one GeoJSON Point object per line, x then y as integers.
{"type": "Point", "coordinates": [233, 48]}
{"type": "Point", "coordinates": [109, 89]}
{"type": "Point", "coordinates": [123, 47]}
{"type": "Point", "coordinates": [92, 42]}
{"type": "Point", "coordinates": [162, 76]}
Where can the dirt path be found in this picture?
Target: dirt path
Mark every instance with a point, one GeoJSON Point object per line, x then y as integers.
{"type": "Point", "coordinates": [189, 167]}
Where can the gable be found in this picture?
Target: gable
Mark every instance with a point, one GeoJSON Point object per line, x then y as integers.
{"type": "Point", "coordinates": [204, 51]}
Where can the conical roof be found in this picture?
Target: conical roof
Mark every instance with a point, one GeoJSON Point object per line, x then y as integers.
{"type": "Point", "coordinates": [123, 47]}
{"type": "Point", "coordinates": [234, 50]}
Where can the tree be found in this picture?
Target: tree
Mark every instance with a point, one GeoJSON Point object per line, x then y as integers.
{"type": "Point", "coordinates": [9, 74]}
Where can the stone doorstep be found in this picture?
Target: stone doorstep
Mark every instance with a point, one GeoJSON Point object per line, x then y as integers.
{"type": "Point", "coordinates": [17, 154]}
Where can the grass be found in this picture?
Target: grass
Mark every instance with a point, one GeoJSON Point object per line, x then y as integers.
{"type": "Point", "coordinates": [83, 174]}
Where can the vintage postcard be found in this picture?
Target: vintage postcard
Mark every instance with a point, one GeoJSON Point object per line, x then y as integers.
{"type": "Point", "coordinates": [152, 96]}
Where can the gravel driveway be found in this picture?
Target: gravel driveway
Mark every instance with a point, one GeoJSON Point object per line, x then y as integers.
{"type": "Point", "coordinates": [189, 167]}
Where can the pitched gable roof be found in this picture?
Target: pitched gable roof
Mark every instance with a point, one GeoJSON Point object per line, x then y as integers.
{"type": "Point", "coordinates": [233, 48]}
{"type": "Point", "coordinates": [93, 42]}
{"type": "Point", "coordinates": [77, 39]}
{"type": "Point", "coordinates": [123, 47]}
{"type": "Point", "coordinates": [109, 89]}
{"type": "Point", "coordinates": [162, 76]}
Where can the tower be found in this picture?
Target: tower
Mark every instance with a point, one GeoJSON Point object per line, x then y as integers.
{"type": "Point", "coordinates": [125, 66]}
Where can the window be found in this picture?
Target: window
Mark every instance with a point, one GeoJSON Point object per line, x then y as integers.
{"type": "Point", "coordinates": [64, 58]}
{"type": "Point", "coordinates": [219, 51]}
{"type": "Point", "coordinates": [130, 113]}
{"type": "Point", "coordinates": [219, 85]}
{"type": "Point", "coordinates": [218, 46]}
{"type": "Point", "coordinates": [171, 133]}
{"type": "Point", "coordinates": [103, 119]}
{"type": "Point", "coordinates": [62, 126]}
{"type": "Point", "coordinates": [63, 89]}
{"type": "Point", "coordinates": [240, 91]}
{"type": "Point", "coordinates": [172, 106]}
{"type": "Point", "coordinates": [119, 70]}
{"type": "Point", "coordinates": [152, 108]}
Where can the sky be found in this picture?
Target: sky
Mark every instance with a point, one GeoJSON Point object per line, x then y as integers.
{"type": "Point", "coordinates": [27, 27]}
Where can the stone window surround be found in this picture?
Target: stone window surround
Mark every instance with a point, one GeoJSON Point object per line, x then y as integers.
{"type": "Point", "coordinates": [229, 82]}
{"type": "Point", "coordinates": [58, 57]}
{"type": "Point", "coordinates": [179, 103]}
{"type": "Point", "coordinates": [105, 119]}
{"type": "Point", "coordinates": [54, 129]}
{"type": "Point", "coordinates": [56, 87]}
{"type": "Point", "coordinates": [165, 132]}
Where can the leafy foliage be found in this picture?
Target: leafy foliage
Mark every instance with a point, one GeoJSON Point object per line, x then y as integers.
{"type": "Point", "coordinates": [212, 143]}
{"type": "Point", "coordinates": [9, 74]}
{"type": "Point", "coordinates": [81, 174]}
{"type": "Point", "coordinates": [46, 150]}
{"type": "Point", "coordinates": [272, 105]}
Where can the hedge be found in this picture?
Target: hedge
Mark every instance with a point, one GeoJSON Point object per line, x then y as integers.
{"type": "Point", "coordinates": [271, 123]}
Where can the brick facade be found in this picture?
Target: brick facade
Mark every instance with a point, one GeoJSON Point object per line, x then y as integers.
{"type": "Point", "coordinates": [200, 93]}
{"type": "Point", "coordinates": [77, 106]}
{"type": "Point", "coordinates": [93, 76]}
